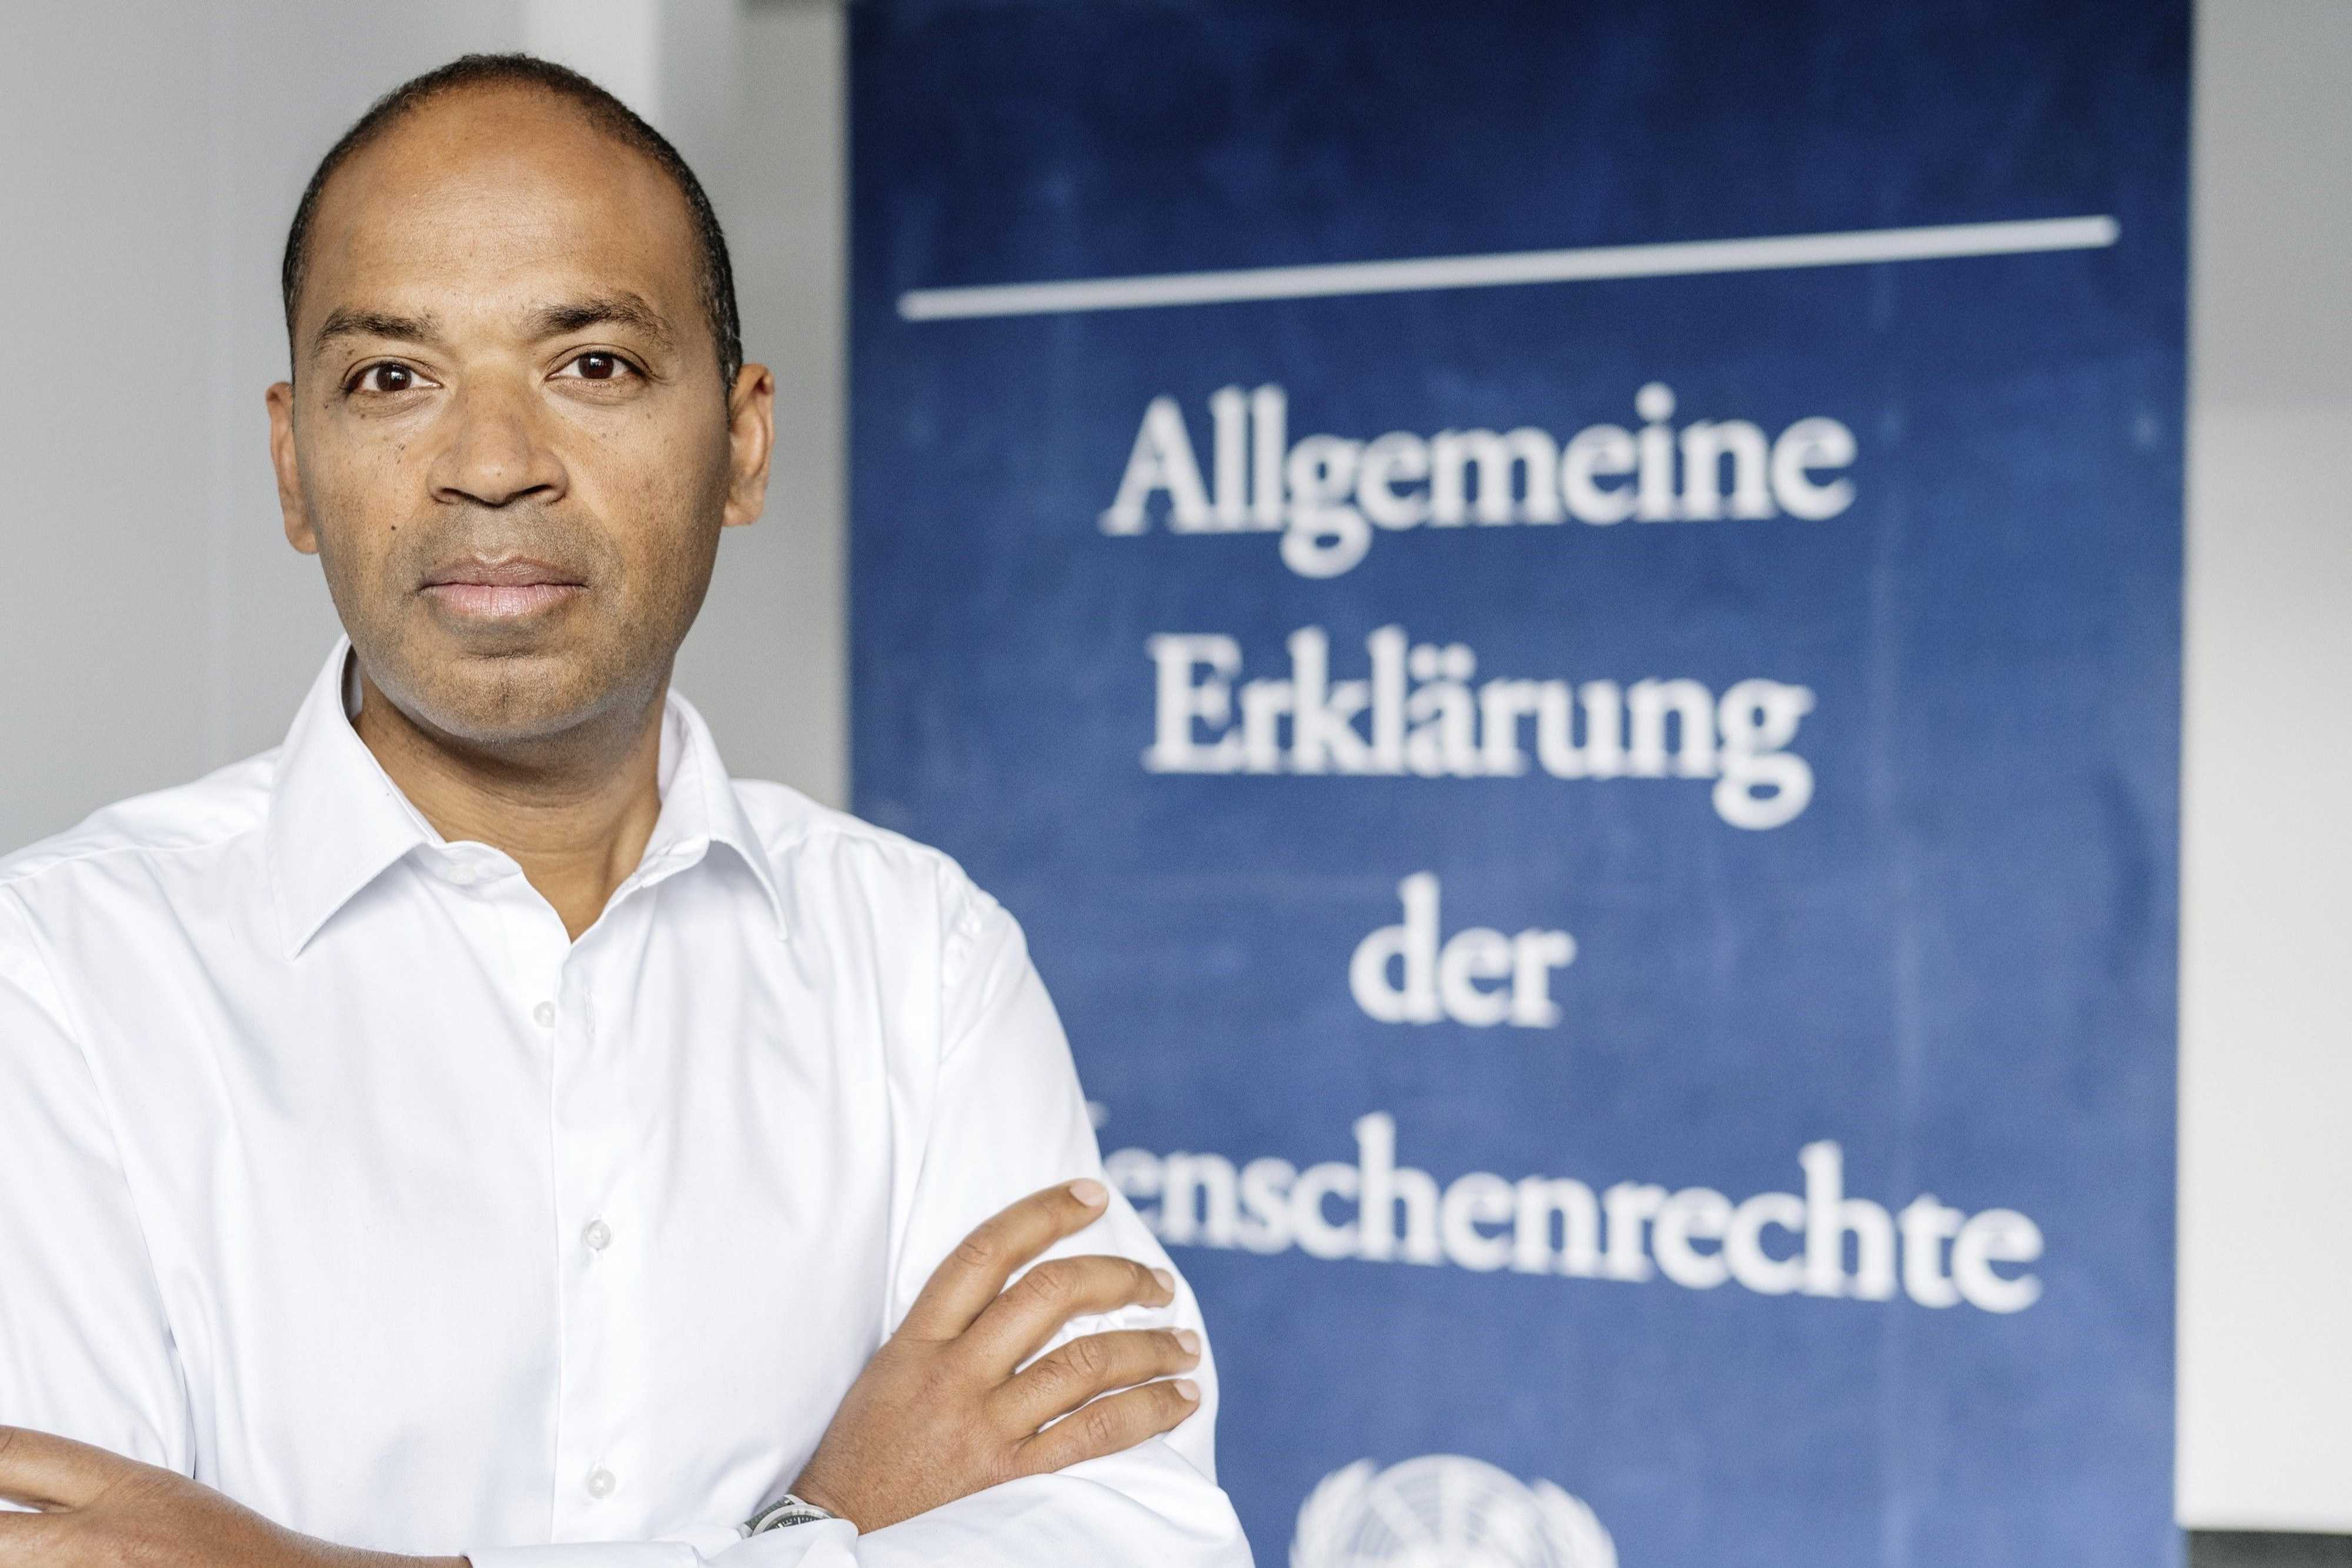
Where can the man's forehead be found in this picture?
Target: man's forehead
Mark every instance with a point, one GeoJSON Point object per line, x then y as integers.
{"type": "Point", "coordinates": [511, 191]}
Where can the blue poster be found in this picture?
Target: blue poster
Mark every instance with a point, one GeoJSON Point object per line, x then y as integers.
{"type": "Point", "coordinates": [1562, 625]}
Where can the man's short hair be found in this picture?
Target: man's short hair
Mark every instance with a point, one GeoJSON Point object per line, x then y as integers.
{"type": "Point", "coordinates": [603, 111]}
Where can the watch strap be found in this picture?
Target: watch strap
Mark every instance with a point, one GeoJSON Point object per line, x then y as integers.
{"type": "Point", "coordinates": [784, 1513]}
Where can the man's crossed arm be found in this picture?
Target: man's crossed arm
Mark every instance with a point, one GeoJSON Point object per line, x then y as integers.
{"type": "Point", "coordinates": [952, 1403]}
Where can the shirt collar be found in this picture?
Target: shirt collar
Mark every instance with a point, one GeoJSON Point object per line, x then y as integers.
{"type": "Point", "coordinates": [337, 821]}
{"type": "Point", "coordinates": [701, 807]}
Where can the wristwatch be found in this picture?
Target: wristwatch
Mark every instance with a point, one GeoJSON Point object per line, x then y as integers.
{"type": "Point", "coordinates": [784, 1513]}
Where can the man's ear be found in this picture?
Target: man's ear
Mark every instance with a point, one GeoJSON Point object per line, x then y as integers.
{"type": "Point", "coordinates": [290, 504]}
{"type": "Point", "coordinates": [751, 443]}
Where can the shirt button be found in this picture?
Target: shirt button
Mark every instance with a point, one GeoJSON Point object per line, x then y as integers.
{"type": "Point", "coordinates": [598, 1235]}
{"type": "Point", "coordinates": [543, 1015]}
{"type": "Point", "coordinates": [462, 874]}
{"type": "Point", "coordinates": [601, 1482]}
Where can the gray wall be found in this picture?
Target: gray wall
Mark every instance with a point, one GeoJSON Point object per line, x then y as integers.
{"type": "Point", "coordinates": [769, 661]}
{"type": "Point", "coordinates": [155, 624]}
{"type": "Point", "coordinates": [2266, 855]}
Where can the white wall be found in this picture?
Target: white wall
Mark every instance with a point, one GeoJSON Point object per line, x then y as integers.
{"type": "Point", "coordinates": [153, 622]}
{"type": "Point", "coordinates": [2266, 867]}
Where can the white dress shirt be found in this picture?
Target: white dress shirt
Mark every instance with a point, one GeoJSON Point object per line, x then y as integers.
{"type": "Point", "coordinates": [335, 1174]}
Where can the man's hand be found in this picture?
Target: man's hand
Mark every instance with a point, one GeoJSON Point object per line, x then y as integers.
{"type": "Point", "coordinates": [939, 1413]}
{"type": "Point", "coordinates": [102, 1510]}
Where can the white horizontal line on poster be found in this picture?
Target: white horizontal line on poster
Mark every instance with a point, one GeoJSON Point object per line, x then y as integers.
{"type": "Point", "coordinates": [1686, 258]}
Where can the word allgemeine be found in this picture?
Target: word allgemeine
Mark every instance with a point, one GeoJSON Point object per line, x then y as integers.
{"type": "Point", "coordinates": [1326, 494]}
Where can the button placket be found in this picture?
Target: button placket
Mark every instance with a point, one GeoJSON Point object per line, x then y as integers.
{"type": "Point", "coordinates": [591, 1116]}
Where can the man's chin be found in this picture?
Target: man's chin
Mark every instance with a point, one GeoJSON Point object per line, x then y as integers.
{"type": "Point", "coordinates": [507, 698]}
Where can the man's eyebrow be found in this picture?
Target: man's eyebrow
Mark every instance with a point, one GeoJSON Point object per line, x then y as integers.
{"type": "Point", "coordinates": [623, 310]}
{"type": "Point", "coordinates": [348, 323]}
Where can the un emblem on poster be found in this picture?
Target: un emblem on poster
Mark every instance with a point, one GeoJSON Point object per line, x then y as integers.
{"type": "Point", "coordinates": [1442, 1510]}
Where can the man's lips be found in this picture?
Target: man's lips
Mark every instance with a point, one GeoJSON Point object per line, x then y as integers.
{"type": "Point", "coordinates": [501, 589]}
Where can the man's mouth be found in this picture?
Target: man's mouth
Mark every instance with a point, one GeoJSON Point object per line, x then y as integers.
{"type": "Point", "coordinates": [501, 590]}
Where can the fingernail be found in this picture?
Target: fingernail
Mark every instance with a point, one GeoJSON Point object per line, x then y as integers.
{"type": "Point", "coordinates": [1167, 1280]}
{"type": "Point", "coordinates": [1188, 1342]}
{"type": "Point", "coordinates": [1090, 1192]}
{"type": "Point", "coordinates": [1188, 1391]}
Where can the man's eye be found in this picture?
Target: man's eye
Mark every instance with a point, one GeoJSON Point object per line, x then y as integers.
{"type": "Point", "coordinates": [598, 366]}
{"type": "Point", "coordinates": [387, 378]}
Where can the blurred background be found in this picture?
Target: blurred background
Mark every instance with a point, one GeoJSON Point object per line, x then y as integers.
{"type": "Point", "coordinates": [156, 626]}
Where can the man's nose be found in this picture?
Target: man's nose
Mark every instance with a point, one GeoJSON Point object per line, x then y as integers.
{"type": "Point", "coordinates": [499, 451]}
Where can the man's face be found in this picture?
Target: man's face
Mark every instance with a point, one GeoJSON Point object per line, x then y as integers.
{"type": "Point", "coordinates": [506, 437]}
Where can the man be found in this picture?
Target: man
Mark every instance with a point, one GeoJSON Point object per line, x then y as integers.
{"type": "Point", "coordinates": [482, 1126]}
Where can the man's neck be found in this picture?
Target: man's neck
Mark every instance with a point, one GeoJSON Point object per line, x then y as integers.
{"type": "Point", "coordinates": [575, 813]}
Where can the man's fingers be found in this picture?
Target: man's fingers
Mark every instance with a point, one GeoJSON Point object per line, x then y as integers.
{"type": "Point", "coordinates": [41, 1471]}
{"type": "Point", "coordinates": [1111, 1425]}
{"type": "Point", "coordinates": [1019, 1322]}
{"type": "Point", "coordinates": [28, 1540]}
{"type": "Point", "coordinates": [973, 1275]}
{"type": "Point", "coordinates": [1097, 1363]}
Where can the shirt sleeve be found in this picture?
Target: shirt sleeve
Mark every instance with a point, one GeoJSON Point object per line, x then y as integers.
{"type": "Point", "coordinates": [85, 1349]}
{"type": "Point", "coordinates": [1008, 1120]}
